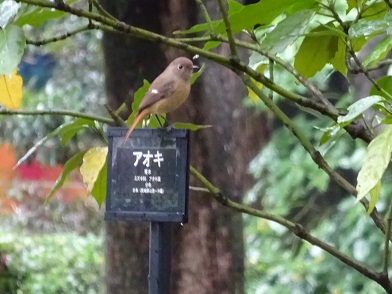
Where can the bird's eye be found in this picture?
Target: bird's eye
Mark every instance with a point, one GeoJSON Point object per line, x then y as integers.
{"type": "Point", "coordinates": [180, 66]}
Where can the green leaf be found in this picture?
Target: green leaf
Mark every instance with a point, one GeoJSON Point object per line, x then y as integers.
{"type": "Point", "coordinates": [12, 45]}
{"type": "Point", "coordinates": [339, 60]}
{"type": "Point", "coordinates": [190, 126]}
{"type": "Point", "coordinates": [353, 4]}
{"type": "Point", "coordinates": [358, 43]}
{"type": "Point", "coordinates": [197, 74]}
{"type": "Point", "coordinates": [36, 16]}
{"type": "Point", "coordinates": [374, 195]}
{"type": "Point", "coordinates": [302, 5]}
{"type": "Point", "coordinates": [252, 95]}
{"type": "Point", "coordinates": [379, 52]}
{"type": "Point", "coordinates": [330, 30]}
{"type": "Point", "coordinates": [328, 133]}
{"type": "Point", "coordinates": [139, 94]}
{"type": "Point", "coordinates": [376, 10]}
{"type": "Point", "coordinates": [99, 190]}
{"type": "Point", "coordinates": [246, 17]}
{"type": "Point", "coordinates": [358, 108]}
{"type": "Point", "coordinates": [67, 131]}
{"type": "Point", "coordinates": [375, 163]}
{"type": "Point", "coordinates": [366, 27]}
{"type": "Point", "coordinates": [387, 121]}
{"type": "Point", "coordinates": [331, 142]}
{"type": "Point", "coordinates": [234, 7]}
{"type": "Point", "coordinates": [8, 10]}
{"type": "Point", "coordinates": [315, 52]}
{"type": "Point", "coordinates": [211, 45]}
{"type": "Point", "coordinates": [287, 31]}
{"type": "Point", "coordinates": [69, 166]}
{"type": "Point", "coordinates": [385, 83]}
{"type": "Point", "coordinates": [388, 20]}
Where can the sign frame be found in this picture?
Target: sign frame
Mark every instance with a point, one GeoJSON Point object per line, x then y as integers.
{"type": "Point", "coordinates": [156, 139]}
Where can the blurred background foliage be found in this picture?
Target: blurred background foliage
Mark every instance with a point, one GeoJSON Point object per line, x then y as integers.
{"type": "Point", "coordinates": [57, 248]}
{"type": "Point", "coordinates": [61, 75]}
{"type": "Point", "coordinates": [52, 263]}
{"type": "Point", "coordinates": [288, 183]}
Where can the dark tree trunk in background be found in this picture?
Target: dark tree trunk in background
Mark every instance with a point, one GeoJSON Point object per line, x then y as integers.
{"type": "Point", "coordinates": [127, 63]}
{"type": "Point", "coordinates": [208, 252]}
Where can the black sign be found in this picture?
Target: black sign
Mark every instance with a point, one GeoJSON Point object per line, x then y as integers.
{"type": "Point", "coordinates": [148, 175]}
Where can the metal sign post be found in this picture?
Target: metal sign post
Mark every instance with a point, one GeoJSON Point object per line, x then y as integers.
{"type": "Point", "coordinates": [148, 181]}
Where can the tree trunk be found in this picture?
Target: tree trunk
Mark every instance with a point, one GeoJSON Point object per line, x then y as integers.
{"type": "Point", "coordinates": [208, 252]}
{"type": "Point", "coordinates": [127, 62]}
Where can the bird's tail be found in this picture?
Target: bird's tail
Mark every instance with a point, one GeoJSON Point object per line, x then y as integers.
{"type": "Point", "coordinates": [133, 126]}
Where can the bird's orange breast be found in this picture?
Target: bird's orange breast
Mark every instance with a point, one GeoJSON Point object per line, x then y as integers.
{"type": "Point", "coordinates": [170, 103]}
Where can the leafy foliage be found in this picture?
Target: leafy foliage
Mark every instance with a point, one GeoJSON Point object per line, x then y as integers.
{"type": "Point", "coordinates": [305, 268]}
{"type": "Point", "coordinates": [12, 45]}
{"type": "Point", "coordinates": [315, 52]}
{"type": "Point", "coordinates": [57, 263]}
{"type": "Point", "coordinates": [375, 163]}
{"type": "Point", "coordinates": [69, 166]}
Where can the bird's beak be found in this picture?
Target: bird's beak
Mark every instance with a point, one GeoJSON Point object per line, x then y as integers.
{"type": "Point", "coordinates": [195, 67]}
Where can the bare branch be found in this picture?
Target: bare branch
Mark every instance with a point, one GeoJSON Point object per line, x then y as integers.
{"type": "Point", "coordinates": [295, 228]}
{"type": "Point", "coordinates": [386, 243]}
{"type": "Point", "coordinates": [60, 38]}
{"type": "Point", "coordinates": [205, 14]}
{"type": "Point", "coordinates": [222, 9]}
{"type": "Point", "coordinates": [57, 113]}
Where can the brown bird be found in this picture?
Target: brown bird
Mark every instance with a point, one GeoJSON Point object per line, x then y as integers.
{"type": "Point", "coordinates": [167, 92]}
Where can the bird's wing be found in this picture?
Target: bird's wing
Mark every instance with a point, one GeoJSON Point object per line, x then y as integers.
{"type": "Point", "coordinates": [157, 92]}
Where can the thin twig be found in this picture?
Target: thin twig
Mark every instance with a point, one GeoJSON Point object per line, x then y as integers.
{"type": "Point", "coordinates": [199, 189]}
{"type": "Point", "coordinates": [387, 237]}
{"type": "Point", "coordinates": [271, 75]}
{"type": "Point", "coordinates": [116, 118]}
{"type": "Point", "coordinates": [61, 37]}
{"type": "Point", "coordinates": [233, 50]}
{"type": "Point", "coordinates": [305, 82]}
{"type": "Point", "coordinates": [205, 14]}
{"type": "Point", "coordinates": [90, 9]}
{"type": "Point", "coordinates": [58, 112]}
{"type": "Point", "coordinates": [102, 10]}
{"type": "Point", "coordinates": [331, 8]}
{"type": "Point", "coordinates": [363, 70]}
{"type": "Point", "coordinates": [379, 65]}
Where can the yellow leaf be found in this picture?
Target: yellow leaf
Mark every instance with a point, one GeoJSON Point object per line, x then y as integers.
{"type": "Point", "coordinates": [11, 90]}
{"type": "Point", "coordinates": [378, 156]}
{"type": "Point", "coordinates": [252, 95]}
{"type": "Point", "coordinates": [374, 194]}
{"type": "Point", "coordinates": [93, 161]}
